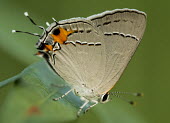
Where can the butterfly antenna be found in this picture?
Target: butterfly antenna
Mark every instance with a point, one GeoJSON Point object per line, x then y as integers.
{"type": "Point", "coordinates": [41, 27]}
{"type": "Point", "coordinates": [27, 15]}
{"type": "Point", "coordinates": [34, 34]}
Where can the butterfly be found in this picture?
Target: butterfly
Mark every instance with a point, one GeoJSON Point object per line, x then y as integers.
{"type": "Point", "coordinates": [91, 53]}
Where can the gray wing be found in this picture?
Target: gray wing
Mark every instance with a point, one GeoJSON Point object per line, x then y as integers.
{"type": "Point", "coordinates": [122, 31]}
{"type": "Point", "coordinates": [81, 64]}
{"type": "Point", "coordinates": [99, 67]}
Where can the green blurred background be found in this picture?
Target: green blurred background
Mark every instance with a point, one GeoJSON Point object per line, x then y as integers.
{"type": "Point", "coordinates": [147, 72]}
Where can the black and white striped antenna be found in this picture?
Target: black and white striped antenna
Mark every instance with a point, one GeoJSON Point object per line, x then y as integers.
{"type": "Point", "coordinates": [33, 22]}
{"type": "Point", "coordinates": [34, 34]}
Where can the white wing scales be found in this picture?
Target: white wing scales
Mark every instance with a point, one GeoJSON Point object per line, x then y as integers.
{"type": "Point", "coordinates": [100, 67]}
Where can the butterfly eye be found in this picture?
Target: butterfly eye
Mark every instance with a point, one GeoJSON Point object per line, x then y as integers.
{"type": "Point", "coordinates": [56, 31]}
{"type": "Point", "coordinates": [41, 46]}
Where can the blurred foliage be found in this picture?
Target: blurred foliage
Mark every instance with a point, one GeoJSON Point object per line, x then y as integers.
{"type": "Point", "coordinates": [148, 72]}
{"type": "Point", "coordinates": [27, 97]}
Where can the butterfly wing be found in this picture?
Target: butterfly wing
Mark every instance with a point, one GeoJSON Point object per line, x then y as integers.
{"type": "Point", "coordinates": [122, 31]}
{"type": "Point", "coordinates": [83, 63]}
{"type": "Point", "coordinates": [99, 67]}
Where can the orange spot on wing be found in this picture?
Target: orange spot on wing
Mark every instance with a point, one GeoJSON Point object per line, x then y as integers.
{"type": "Point", "coordinates": [62, 36]}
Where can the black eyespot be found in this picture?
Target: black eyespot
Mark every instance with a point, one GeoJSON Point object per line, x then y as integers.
{"type": "Point", "coordinates": [56, 31]}
{"type": "Point", "coordinates": [105, 97]}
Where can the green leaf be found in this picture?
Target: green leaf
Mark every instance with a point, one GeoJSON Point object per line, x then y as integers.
{"type": "Point", "coordinates": [27, 98]}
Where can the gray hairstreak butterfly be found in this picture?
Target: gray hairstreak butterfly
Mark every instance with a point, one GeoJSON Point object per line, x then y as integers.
{"type": "Point", "coordinates": [91, 53]}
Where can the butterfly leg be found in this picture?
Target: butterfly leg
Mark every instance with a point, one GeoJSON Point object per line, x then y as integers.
{"type": "Point", "coordinates": [95, 103]}
{"type": "Point", "coordinates": [81, 107]}
{"type": "Point", "coordinates": [56, 99]}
